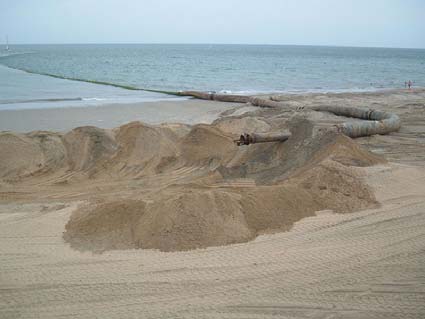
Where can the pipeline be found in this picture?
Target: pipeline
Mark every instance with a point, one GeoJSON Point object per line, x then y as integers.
{"type": "Point", "coordinates": [256, 101]}
{"type": "Point", "coordinates": [377, 122]}
{"type": "Point", "coordinates": [247, 139]}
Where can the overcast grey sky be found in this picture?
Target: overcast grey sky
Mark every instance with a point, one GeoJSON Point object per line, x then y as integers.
{"type": "Point", "coordinates": [388, 23]}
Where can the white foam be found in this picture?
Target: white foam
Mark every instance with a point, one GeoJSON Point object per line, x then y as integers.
{"type": "Point", "coordinates": [93, 99]}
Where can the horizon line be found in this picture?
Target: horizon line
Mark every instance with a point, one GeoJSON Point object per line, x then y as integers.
{"type": "Point", "coordinates": [216, 43]}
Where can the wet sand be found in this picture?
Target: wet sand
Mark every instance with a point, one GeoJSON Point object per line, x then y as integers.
{"type": "Point", "coordinates": [111, 115]}
{"type": "Point", "coordinates": [363, 264]}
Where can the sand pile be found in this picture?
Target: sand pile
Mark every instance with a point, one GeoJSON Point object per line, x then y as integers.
{"type": "Point", "coordinates": [132, 150]}
{"type": "Point", "coordinates": [88, 147]}
{"type": "Point", "coordinates": [270, 163]}
{"type": "Point", "coordinates": [142, 148]}
{"type": "Point", "coordinates": [115, 229]}
{"type": "Point", "coordinates": [188, 220]}
{"type": "Point", "coordinates": [198, 218]}
{"type": "Point", "coordinates": [311, 172]}
{"type": "Point", "coordinates": [128, 151]}
{"type": "Point", "coordinates": [206, 145]}
{"type": "Point", "coordinates": [25, 155]}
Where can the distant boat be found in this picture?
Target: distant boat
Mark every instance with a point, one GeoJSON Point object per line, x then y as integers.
{"type": "Point", "coordinates": [7, 43]}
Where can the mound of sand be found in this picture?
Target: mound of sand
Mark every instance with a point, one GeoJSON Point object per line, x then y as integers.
{"type": "Point", "coordinates": [87, 147]}
{"type": "Point", "coordinates": [24, 155]}
{"type": "Point", "coordinates": [142, 148]}
{"type": "Point", "coordinates": [113, 224]}
{"type": "Point", "coordinates": [310, 173]}
{"type": "Point", "coordinates": [207, 145]}
{"type": "Point", "coordinates": [129, 151]}
{"type": "Point", "coordinates": [185, 221]}
{"type": "Point", "coordinates": [270, 163]}
{"type": "Point", "coordinates": [199, 218]}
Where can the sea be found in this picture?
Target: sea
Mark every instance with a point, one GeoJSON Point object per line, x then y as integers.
{"type": "Point", "coordinates": [50, 76]}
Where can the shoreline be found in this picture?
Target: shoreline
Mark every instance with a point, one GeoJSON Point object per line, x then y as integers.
{"type": "Point", "coordinates": [94, 90]}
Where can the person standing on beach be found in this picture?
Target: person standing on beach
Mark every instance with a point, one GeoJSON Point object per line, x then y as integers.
{"type": "Point", "coordinates": [409, 84]}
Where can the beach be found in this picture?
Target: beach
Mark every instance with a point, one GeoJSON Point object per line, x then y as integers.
{"type": "Point", "coordinates": [110, 115]}
{"type": "Point", "coordinates": [233, 159]}
{"type": "Point", "coordinates": [103, 215]}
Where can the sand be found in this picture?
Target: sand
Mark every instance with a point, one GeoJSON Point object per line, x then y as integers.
{"type": "Point", "coordinates": [311, 172]}
{"type": "Point", "coordinates": [319, 226]}
{"type": "Point", "coordinates": [111, 115]}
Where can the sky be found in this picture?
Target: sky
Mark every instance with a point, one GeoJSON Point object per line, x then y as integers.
{"type": "Point", "coordinates": [376, 23]}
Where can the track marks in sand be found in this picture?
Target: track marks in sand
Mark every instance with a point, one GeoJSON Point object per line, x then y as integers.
{"type": "Point", "coordinates": [368, 264]}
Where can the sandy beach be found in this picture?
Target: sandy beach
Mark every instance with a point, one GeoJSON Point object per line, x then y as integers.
{"type": "Point", "coordinates": [110, 115]}
{"type": "Point", "coordinates": [174, 220]}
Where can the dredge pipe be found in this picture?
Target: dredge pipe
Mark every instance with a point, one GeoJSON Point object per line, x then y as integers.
{"type": "Point", "coordinates": [247, 139]}
{"type": "Point", "coordinates": [216, 97]}
{"type": "Point", "coordinates": [256, 101]}
{"type": "Point", "coordinates": [377, 122]}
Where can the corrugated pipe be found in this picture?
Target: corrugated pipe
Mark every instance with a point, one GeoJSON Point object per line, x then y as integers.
{"type": "Point", "coordinates": [256, 101]}
{"type": "Point", "coordinates": [378, 122]}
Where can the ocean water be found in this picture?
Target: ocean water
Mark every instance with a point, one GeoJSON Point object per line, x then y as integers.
{"type": "Point", "coordinates": [22, 90]}
{"type": "Point", "coordinates": [125, 69]}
